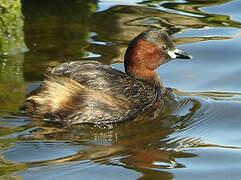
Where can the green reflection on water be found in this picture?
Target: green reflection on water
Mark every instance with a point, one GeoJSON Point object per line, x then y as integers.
{"type": "Point", "coordinates": [12, 88]}
{"type": "Point", "coordinates": [8, 167]}
{"type": "Point", "coordinates": [55, 36]}
{"type": "Point", "coordinates": [55, 31]}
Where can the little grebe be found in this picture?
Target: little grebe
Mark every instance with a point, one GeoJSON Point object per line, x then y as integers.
{"type": "Point", "coordinates": [89, 92]}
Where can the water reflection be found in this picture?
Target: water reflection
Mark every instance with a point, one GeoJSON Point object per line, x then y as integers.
{"type": "Point", "coordinates": [11, 58]}
{"type": "Point", "coordinates": [12, 88]}
{"type": "Point", "coordinates": [149, 145]}
{"type": "Point", "coordinates": [142, 145]}
{"type": "Point", "coordinates": [60, 35]}
{"type": "Point", "coordinates": [56, 31]}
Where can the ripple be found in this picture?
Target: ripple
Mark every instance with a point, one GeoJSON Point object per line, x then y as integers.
{"type": "Point", "coordinates": [105, 4]}
{"type": "Point", "coordinates": [219, 96]}
{"type": "Point", "coordinates": [14, 121]}
{"type": "Point", "coordinates": [195, 113]}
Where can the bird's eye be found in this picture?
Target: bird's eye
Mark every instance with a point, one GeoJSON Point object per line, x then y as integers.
{"type": "Point", "coordinates": [165, 47]}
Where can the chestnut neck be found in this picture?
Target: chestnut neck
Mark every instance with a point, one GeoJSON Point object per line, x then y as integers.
{"type": "Point", "coordinates": [142, 58]}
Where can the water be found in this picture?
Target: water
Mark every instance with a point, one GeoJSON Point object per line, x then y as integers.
{"type": "Point", "coordinates": [198, 139]}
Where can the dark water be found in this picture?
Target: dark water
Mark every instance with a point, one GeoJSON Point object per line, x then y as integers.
{"type": "Point", "coordinates": [199, 138]}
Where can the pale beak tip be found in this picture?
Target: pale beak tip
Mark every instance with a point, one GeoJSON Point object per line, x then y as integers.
{"type": "Point", "coordinates": [182, 55]}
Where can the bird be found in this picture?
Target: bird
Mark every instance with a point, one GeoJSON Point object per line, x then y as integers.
{"type": "Point", "coordinates": [88, 92]}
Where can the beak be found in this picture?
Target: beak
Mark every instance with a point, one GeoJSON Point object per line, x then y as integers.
{"type": "Point", "coordinates": [177, 53]}
{"type": "Point", "coordinates": [181, 54]}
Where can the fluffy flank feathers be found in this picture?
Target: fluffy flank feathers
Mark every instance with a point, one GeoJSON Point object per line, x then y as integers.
{"type": "Point", "coordinates": [55, 93]}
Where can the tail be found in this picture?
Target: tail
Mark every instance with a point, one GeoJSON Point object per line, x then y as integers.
{"type": "Point", "coordinates": [55, 98]}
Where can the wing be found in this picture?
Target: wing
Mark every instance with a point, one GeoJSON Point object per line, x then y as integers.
{"type": "Point", "coordinates": [95, 75]}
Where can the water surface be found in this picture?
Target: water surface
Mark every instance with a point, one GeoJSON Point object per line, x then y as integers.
{"type": "Point", "coordinates": [198, 138]}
